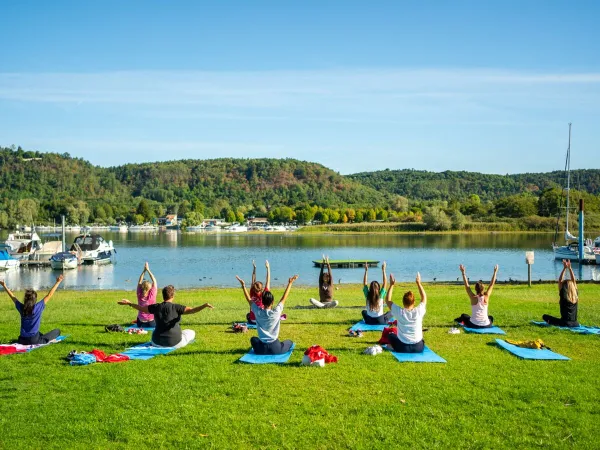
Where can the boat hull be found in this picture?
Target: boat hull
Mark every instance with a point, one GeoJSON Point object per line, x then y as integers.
{"type": "Point", "coordinates": [567, 252]}
{"type": "Point", "coordinates": [64, 265]}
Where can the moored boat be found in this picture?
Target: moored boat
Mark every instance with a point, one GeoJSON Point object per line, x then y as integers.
{"type": "Point", "coordinates": [7, 262]}
{"type": "Point", "coordinates": [64, 261]}
{"type": "Point", "coordinates": [94, 249]}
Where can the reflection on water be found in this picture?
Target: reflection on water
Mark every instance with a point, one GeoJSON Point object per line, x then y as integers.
{"type": "Point", "coordinates": [196, 260]}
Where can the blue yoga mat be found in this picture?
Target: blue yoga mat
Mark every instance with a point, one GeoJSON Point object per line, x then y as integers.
{"type": "Point", "coordinates": [251, 326]}
{"type": "Point", "coordinates": [581, 329]}
{"type": "Point", "coordinates": [135, 327]}
{"type": "Point", "coordinates": [146, 351]}
{"type": "Point", "coordinates": [490, 330]}
{"type": "Point", "coordinates": [364, 327]}
{"type": "Point", "coordinates": [531, 353]}
{"type": "Point", "coordinates": [253, 358]}
{"type": "Point", "coordinates": [427, 356]}
{"type": "Point", "coordinates": [58, 339]}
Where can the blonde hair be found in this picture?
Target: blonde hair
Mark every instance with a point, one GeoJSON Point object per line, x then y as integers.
{"type": "Point", "coordinates": [571, 292]}
{"type": "Point", "coordinates": [146, 286]}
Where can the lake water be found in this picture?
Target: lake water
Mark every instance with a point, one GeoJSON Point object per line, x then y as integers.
{"type": "Point", "coordinates": [198, 260]}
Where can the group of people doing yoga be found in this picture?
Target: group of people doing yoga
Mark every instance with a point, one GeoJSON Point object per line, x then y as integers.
{"type": "Point", "coordinates": [165, 317]}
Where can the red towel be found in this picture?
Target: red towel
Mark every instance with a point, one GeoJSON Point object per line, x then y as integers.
{"type": "Point", "coordinates": [9, 350]}
{"type": "Point", "coordinates": [317, 352]}
{"type": "Point", "coordinates": [384, 335]}
{"type": "Point", "coordinates": [101, 357]}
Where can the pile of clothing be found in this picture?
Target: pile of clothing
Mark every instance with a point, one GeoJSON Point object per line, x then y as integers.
{"type": "Point", "coordinates": [317, 356]}
{"type": "Point", "coordinates": [84, 358]}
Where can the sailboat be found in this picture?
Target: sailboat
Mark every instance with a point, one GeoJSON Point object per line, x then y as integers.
{"type": "Point", "coordinates": [570, 250]}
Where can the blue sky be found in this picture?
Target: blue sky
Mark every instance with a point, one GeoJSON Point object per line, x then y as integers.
{"type": "Point", "coordinates": [482, 86]}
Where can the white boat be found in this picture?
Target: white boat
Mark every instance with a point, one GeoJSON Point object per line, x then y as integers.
{"type": "Point", "coordinates": [275, 228]}
{"type": "Point", "coordinates": [212, 228]}
{"type": "Point", "coordinates": [7, 262]}
{"type": "Point", "coordinates": [64, 261]}
{"type": "Point", "coordinates": [596, 249]}
{"type": "Point", "coordinates": [94, 249]}
{"type": "Point", "coordinates": [237, 228]}
{"type": "Point", "coordinates": [145, 228]}
{"type": "Point", "coordinates": [570, 250]}
{"type": "Point", "coordinates": [73, 228]}
{"type": "Point", "coordinates": [196, 228]}
{"type": "Point", "coordinates": [119, 228]}
{"type": "Point", "coordinates": [22, 244]}
{"type": "Point", "coordinates": [48, 249]}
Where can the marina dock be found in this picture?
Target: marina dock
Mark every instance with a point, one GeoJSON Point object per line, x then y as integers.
{"type": "Point", "coordinates": [348, 263]}
{"type": "Point", "coordinates": [34, 263]}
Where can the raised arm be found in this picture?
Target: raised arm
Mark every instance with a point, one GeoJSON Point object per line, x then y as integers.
{"type": "Point", "coordinates": [142, 274]}
{"type": "Point", "coordinates": [9, 292]}
{"type": "Point", "coordinates": [470, 292]}
{"type": "Point", "coordinates": [573, 279]}
{"type": "Point", "coordinates": [126, 302]}
{"type": "Point", "coordinates": [384, 281]}
{"type": "Point", "coordinates": [151, 276]}
{"type": "Point", "coordinates": [268, 281]}
{"type": "Point", "coordinates": [561, 277]}
{"type": "Point", "coordinates": [54, 288]}
{"type": "Point", "coordinates": [246, 293]}
{"type": "Point", "coordinates": [492, 283]}
{"type": "Point", "coordinates": [421, 290]}
{"type": "Point", "coordinates": [329, 271]}
{"type": "Point", "coordinates": [322, 270]}
{"type": "Point", "coordinates": [189, 310]}
{"type": "Point", "coordinates": [288, 288]}
{"type": "Point", "coordinates": [388, 297]}
{"type": "Point", "coordinates": [366, 277]}
{"type": "Point", "coordinates": [253, 271]}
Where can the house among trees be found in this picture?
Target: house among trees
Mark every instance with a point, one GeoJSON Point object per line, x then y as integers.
{"type": "Point", "coordinates": [169, 221]}
{"type": "Point", "coordinates": [258, 222]}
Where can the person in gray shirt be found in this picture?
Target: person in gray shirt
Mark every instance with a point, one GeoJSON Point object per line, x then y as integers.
{"type": "Point", "coordinates": [267, 321]}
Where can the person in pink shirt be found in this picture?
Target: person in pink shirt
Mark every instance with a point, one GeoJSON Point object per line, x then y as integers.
{"type": "Point", "coordinates": [146, 295]}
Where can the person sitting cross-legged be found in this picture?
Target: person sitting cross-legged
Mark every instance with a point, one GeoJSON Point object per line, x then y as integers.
{"type": "Point", "coordinates": [167, 316]}
{"type": "Point", "coordinates": [268, 321]}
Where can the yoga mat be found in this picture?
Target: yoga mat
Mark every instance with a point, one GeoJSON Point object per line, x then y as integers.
{"type": "Point", "coordinates": [531, 353]}
{"type": "Point", "coordinates": [251, 326]}
{"type": "Point", "coordinates": [146, 351]}
{"type": "Point", "coordinates": [490, 330]}
{"type": "Point", "coordinates": [581, 329]}
{"type": "Point", "coordinates": [364, 327]}
{"type": "Point", "coordinates": [253, 358]}
{"type": "Point", "coordinates": [427, 356]}
{"type": "Point", "coordinates": [135, 327]}
{"type": "Point", "coordinates": [29, 348]}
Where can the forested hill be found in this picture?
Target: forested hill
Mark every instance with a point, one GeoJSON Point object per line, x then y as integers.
{"type": "Point", "coordinates": [423, 185]}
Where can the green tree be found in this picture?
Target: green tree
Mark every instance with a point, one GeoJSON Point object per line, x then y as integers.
{"type": "Point", "coordinates": [27, 211]}
{"type": "Point", "coordinates": [230, 216]}
{"type": "Point", "coordinates": [371, 215]}
{"type": "Point", "coordinates": [144, 210]}
{"type": "Point", "coordinates": [458, 220]}
{"type": "Point", "coordinates": [522, 205]}
{"type": "Point", "coordinates": [239, 217]}
{"type": "Point", "coordinates": [435, 219]}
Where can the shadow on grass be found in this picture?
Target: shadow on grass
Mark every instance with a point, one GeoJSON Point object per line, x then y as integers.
{"type": "Point", "coordinates": [232, 352]}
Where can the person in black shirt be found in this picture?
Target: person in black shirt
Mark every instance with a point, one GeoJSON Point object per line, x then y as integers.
{"type": "Point", "coordinates": [167, 316]}
{"type": "Point", "coordinates": [325, 288]}
{"type": "Point", "coordinates": [568, 300]}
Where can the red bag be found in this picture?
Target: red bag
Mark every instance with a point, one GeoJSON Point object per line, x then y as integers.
{"type": "Point", "coordinates": [317, 352]}
{"type": "Point", "coordinates": [101, 357]}
{"type": "Point", "coordinates": [384, 335]}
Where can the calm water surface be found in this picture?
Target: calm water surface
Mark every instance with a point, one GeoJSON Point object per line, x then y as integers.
{"type": "Point", "coordinates": [197, 260]}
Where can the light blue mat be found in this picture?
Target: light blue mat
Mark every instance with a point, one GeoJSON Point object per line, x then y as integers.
{"type": "Point", "coordinates": [135, 327]}
{"type": "Point", "coordinates": [489, 330]}
{"type": "Point", "coordinates": [253, 358]}
{"type": "Point", "coordinates": [58, 339]}
{"type": "Point", "coordinates": [427, 356]}
{"type": "Point", "coordinates": [146, 351]}
{"type": "Point", "coordinates": [531, 353]}
{"type": "Point", "coordinates": [364, 327]}
{"type": "Point", "coordinates": [251, 326]}
{"type": "Point", "coordinates": [581, 329]}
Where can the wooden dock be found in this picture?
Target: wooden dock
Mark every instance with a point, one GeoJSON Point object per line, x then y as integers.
{"type": "Point", "coordinates": [33, 263]}
{"type": "Point", "coordinates": [348, 263]}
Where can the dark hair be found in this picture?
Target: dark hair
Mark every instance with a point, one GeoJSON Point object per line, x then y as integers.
{"type": "Point", "coordinates": [168, 292]}
{"type": "Point", "coordinates": [267, 299]}
{"type": "Point", "coordinates": [29, 301]}
{"type": "Point", "coordinates": [326, 278]}
{"type": "Point", "coordinates": [408, 299]}
{"type": "Point", "coordinates": [373, 295]}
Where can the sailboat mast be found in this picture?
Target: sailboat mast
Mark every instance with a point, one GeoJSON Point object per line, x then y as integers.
{"type": "Point", "coordinates": [568, 177]}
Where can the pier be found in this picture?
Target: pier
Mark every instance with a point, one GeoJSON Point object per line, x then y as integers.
{"type": "Point", "coordinates": [35, 263]}
{"type": "Point", "coordinates": [348, 263]}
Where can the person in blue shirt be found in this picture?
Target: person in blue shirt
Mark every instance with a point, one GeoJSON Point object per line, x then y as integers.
{"type": "Point", "coordinates": [31, 315]}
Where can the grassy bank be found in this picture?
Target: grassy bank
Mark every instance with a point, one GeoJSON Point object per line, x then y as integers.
{"type": "Point", "coordinates": [200, 397]}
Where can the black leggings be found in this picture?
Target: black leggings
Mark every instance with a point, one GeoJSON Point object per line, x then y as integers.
{"type": "Point", "coordinates": [465, 319]}
{"type": "Point", "coordinates": [271, 348]}
{"type": "Point", "coordinates": [401, 347]}
{"type": "Point", "coordinates": [558, 322]}
{"type": "Point", "coordinates": [39, 338]}
{"type": "Point", "coordinates": [151, 324]}
{"type": "Point", "coordinates": [380, 320]}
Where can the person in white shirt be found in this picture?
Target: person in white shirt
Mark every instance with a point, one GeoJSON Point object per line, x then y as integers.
{"type": "Point", "coordinates": [410, 319]}
{"type": "Point", "coordinates": [267, 321]}
{"type": "Point", "coordinates": [479, 302]}
{"type": "Point", "coordinates": [374, 295]}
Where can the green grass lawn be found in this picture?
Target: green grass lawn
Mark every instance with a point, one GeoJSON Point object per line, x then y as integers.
{"type": "Point", "coordinates": [199, 396]}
